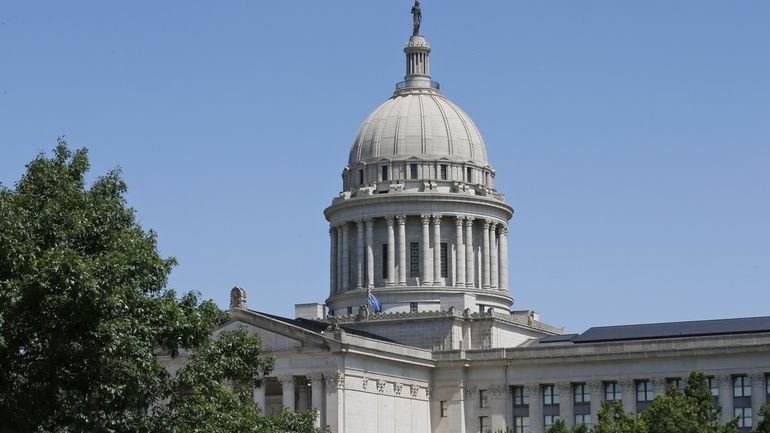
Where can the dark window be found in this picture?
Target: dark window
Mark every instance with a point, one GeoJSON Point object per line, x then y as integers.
{"type": "Point", "coordinates": [468, 172]}
{"type": "Point", "coordinates": [413, 307]}
{"type": "Point", "coordinates": [612, 391]}
{"type": "Point", "coordinates": [484, 423]}
{"type": "Point", "coordinates": [583, 419]}
{"type": "Point", "coordinates": [384, 172]}
{"type": "Point", "coordinates": [350, 311]}
{"type": "Point", "coordinates": [744, 417]}
{"type": "Point", "coordinates": [550, 395]}
{"type": "Point", "coordinates": [444, 407]}
{"type": "Point", "coordinates": [360, 177]}
{"type": "Point", "coordinates": [520, 396]}
{"type": "Point", "coordinates": [767, 381]}
{"type": "Point", "coordinates": [413, 171]}
{"type": "Point", "coordinates": [521, 424]}
{"type": "Point", "coordinates": [549, 420]}
{"type": "Point", "coordinates": [644, 391]}
{"type": "Point", "coordinates": [714, 386]}
{"type": "Point", "coordinates": [483, 402]}
{"type": "Point", "coordinates": [443, 172]}
{"type": "Point", "coordinates": [582, 393]}
{"type": "Point", "coordinates": [443, 259]}
{"type": "Point", "coordinates": [385, 275]}
{"type": "Point", "coordinates": [414, 259]}
{"type": "Point", "coordinates": [741, 386]}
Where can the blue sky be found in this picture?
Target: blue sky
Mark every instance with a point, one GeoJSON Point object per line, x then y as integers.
{"type": "Point", "coordinates": [632, 138]}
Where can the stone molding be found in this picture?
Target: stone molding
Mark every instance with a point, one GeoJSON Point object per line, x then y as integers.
{"type": "Point", "coordinates": [724, 379]}
{"type": "Point", "coordinates": [336, 381]}
{"type": "Point", "coordinates": [758, 378]}
{"type": "Point", "coordinates": [595, 388]}
{"type": "Point", "coordinates": [564, 389]}
{"type": "Point", "coordinates": [534, 389]}
{"type": "Point", "coordinates": [627, 385]}
{"type": "Point", "coordinates": [285, 380]}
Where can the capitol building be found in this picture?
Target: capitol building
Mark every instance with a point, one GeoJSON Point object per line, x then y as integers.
{"type": "Point", "coordinates": [419, 333]}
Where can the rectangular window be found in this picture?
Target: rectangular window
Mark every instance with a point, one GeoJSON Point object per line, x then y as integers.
{"type": "Point", "coordinates": [583, 419]}
{"type": "Point", "coordinates": [350, 311]}
{"type": "Point", "coordinates": [413, 171]}
{"type": "Point", "coordinates": [520, 396]}
{"type": "Point", "coordinates": [644, 391]}
{"type": "Point", "coordinates": [443, 259]}
{"type": "Point", "coordinates": [741, 386]}
{"type": "Point", "coordinates": [444, 407]}
{"type": "Point", "coordinates": [549, 420]}
{"type": "Point", "coordinates": [414, 259]}
{"type": "Point", "coordinates": [744, 416]}
{"type": "Point", "coordinates": [714, 386]}
{"type": "Point", "coordinates": [468, 172]}
{"type": "Point", "coordinates": [444, 172]}
{"type": "Point", "coordinates": [582, 393]}
{"type": "Point", "coordinates": [483, 402]}
{"type": "Point", "coordinates": [360, 177]}
{"type": "Point", "coordinates": [384, 172]}
{"type": "Point", "coordinates": [521, 424]}
{"type": "Point", "coordinates": [550, 395]}
{"type": "Point", "coordinates": [484, 424]}
{"type": "Point", "coordinates": [413, 307]}
{"type": "Point", "coordinates": [612, 391]}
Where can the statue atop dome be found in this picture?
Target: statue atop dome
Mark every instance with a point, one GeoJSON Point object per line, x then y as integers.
{"type": "Point", "coordinates": [416, 18]}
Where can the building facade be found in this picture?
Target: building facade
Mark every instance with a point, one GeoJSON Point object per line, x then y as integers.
{"type": "Point", "coordinates": [420, 225]}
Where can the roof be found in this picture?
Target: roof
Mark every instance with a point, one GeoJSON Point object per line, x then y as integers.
{"type": "Point", "coordinates": [649, 331]}
{"type": "Point", "coordinates": [318, 326]}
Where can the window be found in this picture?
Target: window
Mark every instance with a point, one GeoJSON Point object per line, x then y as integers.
{"type": "Point", "coordinates": [583, 419]}
{"type": "Point", "coordinates": [714, 386]}
{"type": "Point", "coordinates": [385, 262]}
{"type": "Point", "coordinates": [384, 172]}
{"type": "Point", "coordinates": [744, 416]}
{"type": "Point", "coordinates": [549, 420]}
{"type": "Point", "coordinates": [644, 391]}
{"type": "Point", "coordinates": [767, 381]}
{"type": "Point", "coordinates": [468, 172]}
{"type": "Point", "coordinates": [612, 391]}
{"type": "Point", "coordinates": [484, 424]}
{"type": "Point", "coordinates": [550, 395]}
{"type": "Point", "coordinates": [360, 177]}
{"type": "Point", "coordinates": [521, 424]}
{"type": "Point", "coordinates": [582, 393]}
{"type": "Point", "coordinates": [414, 259]}
{"type": "Point", "coordinates": [483, 402]}
{"type": "Point", "coordinates": [413, 171]}
{"type": "Point", "coordinates": [444, 407]}
{"type": "Point", "coordinates": [350, 311]}
{"type": "Point", "coordinates": [413, 307]}
{"type": "Point", "coordinates": [741, 386]}
{"type": "Point", "coordinates": [520, 396]}
{"type": "Point", "coordinates": [444, 172]}
{"type": "Point", "coordinates": [443, 259]}
{"type": "Point", "coordinates": [676, 383]}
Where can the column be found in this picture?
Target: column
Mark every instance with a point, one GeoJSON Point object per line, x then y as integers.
{"type": "Point", "coordinates": [437, 250]}
{"type": "Point", "coordinates": [658, 386]}
{"type": "Point", "coordinates": [391, 252]}
{"type": "Point", "coordinates": [332, 261]}
{"type": "Point", "coordinates": [317, 397]}
{"type": "Point", "coordinates": [425, 271]}
{"type": "Point", "coordinates": [335, 402]}
{"type": "Point", "coordinates": [485, 268]}
{"type": "Point", "coordinates": [758, 396]}
{"type": "Point", "coordinates": [287, 388]}
{"type": "Point", "coordinates": [302, 396]}
{"type": "Point", "coordinates": [725, 384]}
{"type": "Point", "coordinates": [401, 250]}
{"type": "Point", "coordinates": [460, 267]}
{"type": "Point", "coordinates": [503, 241]}
{"type": "Point", "coordinates": [258, 396]}
{"type": "Point", "coordinates": [597, 395]}
{"type": "Point", "coordinates": [493, 264]}
{"type": "Point", "coordinates": [456, 412]}
{"type": "Point", "coordinates": [628, 394]}
{"type": "Point", "coordinates": [369, 252]}
{"type": "Point", "coordinates": [339, 258]}
{"type": "Point", "coordinates": [359, 254]}
{"type": "Point", "coordinates": [535, 408]}
{"type": "Point", "coordinates": [566, 404]}
{"type": "Point", "coordinates": [345, 256]}
{"type": "Point", "coordinates": [469, 259]}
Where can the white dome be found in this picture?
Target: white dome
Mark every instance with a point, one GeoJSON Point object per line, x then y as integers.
{"type": "Point", "coordinates": [422, 124]}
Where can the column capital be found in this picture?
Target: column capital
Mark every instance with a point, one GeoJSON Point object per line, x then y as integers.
{"type": "Point", "coordinates": [758, 378]}
{"type": "Point", "coordinates": [493, 225]}
{"type": "Point", "coordinates": [487, 224]}
{"type": "Point", "coordinates": [368, 220]}
{"type": "Point", "coordinates": [286, 380]}
{"type": "Point", "coordinates": [503, 230]}
{"type": "Point", "coordinates": [534, 389]}
{"type": "Point", "coordinates": [627, 384]}
{"type": "Point", "coordinates": [564, 388]}
{"type": "Point", "coordinates": [459, 220]}
{"type": "Point", "coordinates": [316, 378]}
{"type": "Point", "coordinates": [389, 220]}
{"type": "Point", "coordinates": [724, 379]}
{"type": "Point", "coordinates": [437, 219]}
{"type": "Point", "coordinates": [425, 219]}
{"type": "Point", "coordinates": [469, 221]}
{"type": "Point", "coordinates": [332, 231]}
{"type": "Point", "coordinates": [401, 219]}
{"type": "Point", "coordinates": [345, 227]}
{"type": "Point", "coordinates": [595, 387]}
{"type": "Point", "coordinates": [335, 381]}
{"type": "Point", "coordinates": [658, 381]}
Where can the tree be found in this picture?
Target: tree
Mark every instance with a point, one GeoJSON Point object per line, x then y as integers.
{"type": "Point", "coordinates": [764, 423]}
{"type": "Point", "coordinates": [561, 427]}
{"type": "Point", "coordinates": [84, 311]}
{"type": "Point", "coordinates": [612, 418]}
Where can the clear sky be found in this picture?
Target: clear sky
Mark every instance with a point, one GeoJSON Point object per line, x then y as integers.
{"type": "Point", "coordinates": [631, 137]}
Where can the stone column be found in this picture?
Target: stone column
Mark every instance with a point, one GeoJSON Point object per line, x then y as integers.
{"type": "Point", "coordinates": [535, 408]}
{"type": "Point", "coordinates": [725, 385]}
{"type": "Point", "coordinates": [401, 250]}
{"type": "Point", "coordinates": [345, 257]}
{"type": "Point", "coordinates": [469, 256]}
{"type": "Point", "coordinates": [758, 396]}
{"type": "Point", "coordinates": [369, 252]}
{"type": "Point", "coordinates": [456, 412]}
{"type": "Point", "coordinates": [437, 279]}
{"type": "Point", "coordinates": [493, 259]}
{"type": "Point", "coordinates": [339, 258]}
{"type": "Point", "coordinates": [597, 395]}
{"type": "Point", "coordinates": [503, 257]}
{"type": "Point", "coordinates": [460, 247]}
{"type": "Point", "coordinates": [258, 396]}
{"type": "Point", "coordinates": [425, 271]}
{"type": "Point", "coordinates": [485, 268]}
{"type": "Point", "coordinates": [566, 404]}
{"type": "Point", "coordinates": [628, 393]}
{"type": "Point", "coordinates": [335, 402]}
{"type": "Point", "coordinates": [317, 396]}
{"type": "Point", "coordinates": [658, 386]}
{"type": "Point", "coordinates": [391, 252]}
{"type": "Point", "coordinates": [287, 388]}
{"type": "Point", "coordinates": [359, 254]}
{"type": "Point", "coordinates": [332, 261]}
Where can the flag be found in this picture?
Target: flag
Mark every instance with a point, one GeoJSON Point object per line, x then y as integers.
{"type": "Point", "coordinates": [373, 301]}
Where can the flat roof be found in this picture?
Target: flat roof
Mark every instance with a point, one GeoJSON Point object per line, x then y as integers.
{"type": "Point", "coordinates": [695, 328]}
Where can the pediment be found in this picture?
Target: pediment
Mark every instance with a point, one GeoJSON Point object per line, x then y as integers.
{"type": "Point", "coordinates": [276, 335]}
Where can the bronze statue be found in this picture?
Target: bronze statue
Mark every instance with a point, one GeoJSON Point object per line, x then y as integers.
{"type": "Point", "coordinates": [416, 18]}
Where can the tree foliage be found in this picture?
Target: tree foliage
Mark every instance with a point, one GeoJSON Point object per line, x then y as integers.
{"type": "Point", "coordinates": [84, 311]}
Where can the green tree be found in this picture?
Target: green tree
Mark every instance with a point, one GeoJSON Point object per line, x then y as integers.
{"type": "Point", "coordinates": [84, 311]}
{"type": "Point", "coordinates": [561, 427]}
{"type": "Point", "coordinates": [764, 423]}
{"type": "Point", "coordinates": [612, 418]}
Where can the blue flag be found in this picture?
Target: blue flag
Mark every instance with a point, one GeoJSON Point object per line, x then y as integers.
{"type": "Point", "coordinates": [374, 302]}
